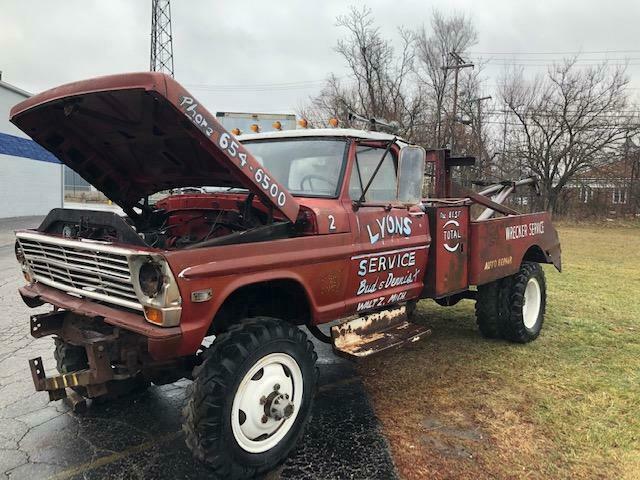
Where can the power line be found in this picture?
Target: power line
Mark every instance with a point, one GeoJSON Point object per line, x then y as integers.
{"type": "Point", "coordinates": [575, 52]}
{"type": "Point", "coordinates": [518, 124]}
{"type": "Point", "coordinates": [568, 112]}
{"type": "Point", "coordinates": [577, 60]}
{"type": "Point", "coordinates": [253, 89]}
{"type": "Point", "coordinates": [262, 87]}
{"type": "Point", "coordinates": [581, 63]}
{"type": "Point", "coordinates": [251, 85]}
{"type": "Point", "coordinates": [313, 84]}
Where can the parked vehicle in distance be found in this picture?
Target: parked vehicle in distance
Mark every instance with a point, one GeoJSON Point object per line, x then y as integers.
{"type": "Point", "coordinates": [304, 227]}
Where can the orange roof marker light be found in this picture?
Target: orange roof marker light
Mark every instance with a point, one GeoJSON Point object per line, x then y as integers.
{"type": "Point", "coordinates": [303, 123]}
{"type": "Point", "coordinates": [255, 128]}
{"type": "Point", "coordinates": [333, 122]}
{"type": "Point", "coordinates": [236, 131]}
{"type": "Point", "coordinates": [277, 125]}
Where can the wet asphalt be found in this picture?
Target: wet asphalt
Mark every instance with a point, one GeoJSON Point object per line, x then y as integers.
{"type": "Point", "coordinates": [139, 437]}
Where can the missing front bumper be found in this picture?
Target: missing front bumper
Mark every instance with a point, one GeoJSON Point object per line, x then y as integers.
{"type": "Point", "coordinates": [56, 386]}
{"type": "Point", "coordinates": [82, 332]}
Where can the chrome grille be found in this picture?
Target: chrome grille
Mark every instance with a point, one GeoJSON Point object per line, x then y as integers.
{"type": "Point", "coordinates": [94, 270]}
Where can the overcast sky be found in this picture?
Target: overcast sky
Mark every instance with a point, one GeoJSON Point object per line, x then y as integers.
{"type": "Point", "coordinates": [269, 56]}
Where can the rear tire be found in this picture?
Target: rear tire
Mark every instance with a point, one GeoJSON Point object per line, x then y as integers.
{"type": "Point", "coordinates": [247, 371]}
{"type": "Point", "coordinates": [410, 309]}
{"type": "Point", "coordinates": [513, 307]}
{"type": "Point", "coordinates": [527, 301]}
{"type": "Point", "coordinates": [492, 307]}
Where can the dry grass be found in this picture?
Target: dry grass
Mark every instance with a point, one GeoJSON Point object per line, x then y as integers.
{"type": "Point", "coordinates": [566, 406]}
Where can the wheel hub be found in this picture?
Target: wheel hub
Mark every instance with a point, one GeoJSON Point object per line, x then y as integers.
{"type": "Point", "coordinates": [532, 303]}
{"type": "Point", "coordinates": [267, 402]}
{"type": "Point", "coordinates": [279, 406]}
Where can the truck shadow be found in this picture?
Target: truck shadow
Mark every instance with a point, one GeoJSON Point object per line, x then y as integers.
{"type": "Point", "coordinates": [140, 436]}
{"type": "Point", "coordinates": [456, 322]}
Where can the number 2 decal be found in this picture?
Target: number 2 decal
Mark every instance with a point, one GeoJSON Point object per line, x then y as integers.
{"type": "Point", "coordinates": [332, 222]}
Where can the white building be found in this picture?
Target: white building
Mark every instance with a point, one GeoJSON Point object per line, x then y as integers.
{"type": "Point", "coordinates": [31, 178]}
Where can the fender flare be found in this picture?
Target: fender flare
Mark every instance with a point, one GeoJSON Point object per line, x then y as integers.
{"type": "Point", "coordinates": [261, 278]}
{"type": "Point", "coordinates": [535, 253]}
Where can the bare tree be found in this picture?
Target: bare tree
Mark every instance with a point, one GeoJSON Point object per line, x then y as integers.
{"type": "Point", "coordinates": [433, 48]}
{"type": "Point", "coordinates": [378, 84]}
{"type": "Point", "coordinates": [567, 121]}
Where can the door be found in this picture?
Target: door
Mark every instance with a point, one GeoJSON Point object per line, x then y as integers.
{"type": "Point", "coordinates": [390, 240]}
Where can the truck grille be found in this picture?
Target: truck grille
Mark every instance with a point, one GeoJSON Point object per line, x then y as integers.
{"type": "Point", "coordinates": [95, 271]}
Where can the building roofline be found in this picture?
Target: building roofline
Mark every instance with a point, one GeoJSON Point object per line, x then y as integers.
{"type": "Point", "coordinates": [15, 89]}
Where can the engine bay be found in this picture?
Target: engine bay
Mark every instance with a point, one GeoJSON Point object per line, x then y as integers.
{"type": "Point", "coordinates": [175, 222]}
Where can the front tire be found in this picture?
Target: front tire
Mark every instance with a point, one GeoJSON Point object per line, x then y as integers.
{"type": "Point", "coordinates": [251, 397]}
{"type": "Point", "coordinates": [71, 358]}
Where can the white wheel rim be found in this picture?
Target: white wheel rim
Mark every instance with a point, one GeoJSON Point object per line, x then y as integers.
{"type": "Point", "coordinates": [532, 301]}
{"type": "Point", "coordinates": [252, 433]}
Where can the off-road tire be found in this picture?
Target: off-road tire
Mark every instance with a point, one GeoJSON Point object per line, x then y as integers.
{"type": "Point", "coordinates": [514, 327]}
{"type": "Point", "coordinates": [410, 310]}
{"type": "Point", "coordinates": [71, 358]}
{"type": "Point", "coordinates": [492, 307]}
{"type": "Point", "coordinates": [207, 415]}
{"type": "Point", "coordinates": [499, 306]}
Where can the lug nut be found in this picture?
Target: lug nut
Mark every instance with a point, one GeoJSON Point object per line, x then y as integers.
{"type": "Point", "coordinates": [288, 411]}
{"type": "Point", "coordinates": [264, 419]}
{"type": "Point", "coordinates": [276, 386]}
{"type": "Point", "coordinates": [263, 400]}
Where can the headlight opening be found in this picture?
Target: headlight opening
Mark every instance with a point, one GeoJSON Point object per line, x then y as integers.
{"type": "Point", "coordinates": [151, 278]}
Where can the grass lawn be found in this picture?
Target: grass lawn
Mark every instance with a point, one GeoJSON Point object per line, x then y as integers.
{"type": "Point", "coordinates": [566, 406]}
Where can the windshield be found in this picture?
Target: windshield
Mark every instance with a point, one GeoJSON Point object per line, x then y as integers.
{"type": "Point", "coordinates": [306, 167]}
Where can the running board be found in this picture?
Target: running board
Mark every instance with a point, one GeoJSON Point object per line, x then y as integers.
{"type": "Point", "coordinates": [375, 333]}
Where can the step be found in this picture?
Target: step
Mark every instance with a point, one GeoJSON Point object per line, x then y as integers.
{"type": "Point", "coordinates": [375, 333]}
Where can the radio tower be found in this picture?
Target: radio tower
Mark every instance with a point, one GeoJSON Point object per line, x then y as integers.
{"type": "Point", "coordinates": [161, 39]}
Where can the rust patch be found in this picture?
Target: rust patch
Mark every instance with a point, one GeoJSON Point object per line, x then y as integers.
{"type": "Point", "coordinates": [331, 282]}
{"type": "Point", "coordinates": [375, 333]}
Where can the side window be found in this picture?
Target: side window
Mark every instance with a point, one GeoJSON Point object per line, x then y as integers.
{"type": "Point", "coordinates": [384, 185]}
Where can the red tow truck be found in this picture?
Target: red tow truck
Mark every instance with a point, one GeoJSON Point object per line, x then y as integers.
{"type": "Point", "coordinates": [294, 228]}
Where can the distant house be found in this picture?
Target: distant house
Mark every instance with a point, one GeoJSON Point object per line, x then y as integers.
{"type": "Point", "coordinates": [608, 189]}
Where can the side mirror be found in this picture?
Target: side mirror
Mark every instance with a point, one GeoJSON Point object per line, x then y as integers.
{"type": "Point", "coordinates": [411, 166]}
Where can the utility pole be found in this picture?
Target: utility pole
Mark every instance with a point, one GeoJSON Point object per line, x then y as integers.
{"type": "Point", "coordinates": [504, 165]}
{"type": "Point", "coordinates": [634, 190]}
{"type": "Point", "coordinates": [161, 38]}
{"type": "Point", "coordinates": [459, 63]}
{"type": "Point", "coordinates": [479, 101]}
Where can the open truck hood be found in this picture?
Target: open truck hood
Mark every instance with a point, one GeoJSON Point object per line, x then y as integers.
{"type": "Point", "coordinates": [132, 135]}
